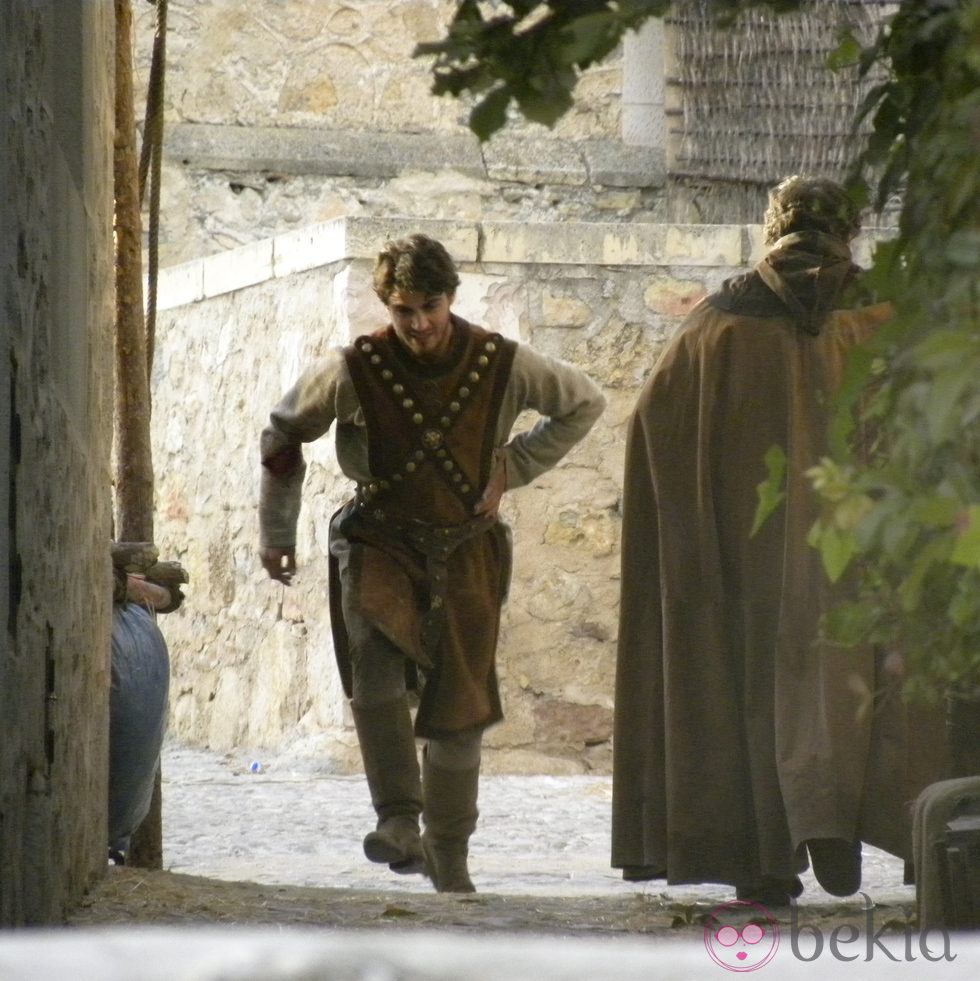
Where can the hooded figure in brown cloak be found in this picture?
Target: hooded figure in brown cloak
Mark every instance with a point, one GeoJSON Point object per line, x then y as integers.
{"type": "Point", "coordinates": [740, 747]}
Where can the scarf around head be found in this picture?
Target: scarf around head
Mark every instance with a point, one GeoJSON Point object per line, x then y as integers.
{"type": "Point", "coordinates": [804, 275]}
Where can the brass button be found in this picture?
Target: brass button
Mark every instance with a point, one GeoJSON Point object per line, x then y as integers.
{"type": "Point", "coordinates": [490, 346]}
{"type": "Point", "coordinates": [386, 374]}
{"type": "Point", "coordinates": [410, 467]}
{"type": "Point", "coordinates": [375, 359]}
{"type": "Point", "coordinates": [464, 392]}
{"type": "Point", "coordinates": [397, 388]}
{"type": "Point", "coordinates": [482, 361]}
{"type": "Point", "coordinates": [367, 347]}
{"type": "Point", "coordinates": [407, 403]}
{"type": "Point", "coordinates": [473, 376]}
{"type": "Point", "coordinates": [418, 418]}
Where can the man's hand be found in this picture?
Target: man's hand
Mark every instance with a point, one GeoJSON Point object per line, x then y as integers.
{"type": "Point", "coordinates": [280, 563]}
{"type": "Point", "coordinates": [489, 502]}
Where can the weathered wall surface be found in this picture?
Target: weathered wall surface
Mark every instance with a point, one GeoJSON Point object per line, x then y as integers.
{"type": "Point", "coordinates": [55, 585]}
{"type": "Point", "coordinates": [280, 114]}
{"type": "Point", "coordinates": [253, 662]}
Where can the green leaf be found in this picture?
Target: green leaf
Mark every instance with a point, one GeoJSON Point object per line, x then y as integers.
{"type": "Point", "coordinates": [944, 393]}
{"type": "Point", "coordinates": [910, 590]}
{"type": "Point", "coordinates": [836, 548]}
{"type": "Point", "coordinates": [943, 348]}
{"type": "Point", "coordinates": [847, 53]}
{"type": "Point", "coordinates": [964, 608]}
{"type": "Point", "coordinates": [936, 512]}
{"type": "Point", "coordinates": [849, 623]}
{"type": "Point", "coordinates": [872, 523]}
{"type": "Point", "coordinates": [966, 551]}
{"type": "Point", "coordinates": [771, 491]}
{"type": "Point", "coordinates": [963, 249]}
{"type": "Point", "coordinates": [858, 372]}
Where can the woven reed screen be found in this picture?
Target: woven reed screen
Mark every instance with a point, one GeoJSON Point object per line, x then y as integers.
{"type": "Point", "coordinates": [750, 104]}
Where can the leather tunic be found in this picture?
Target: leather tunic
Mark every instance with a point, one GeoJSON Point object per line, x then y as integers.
{"type": "Point", "coordinates": [425, 572]}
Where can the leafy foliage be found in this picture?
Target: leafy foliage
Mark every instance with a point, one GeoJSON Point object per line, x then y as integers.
{"type": "Point", "coordinates": [771, 493]}
{"type": "Point", "coordinates": [916, 540]}
{"type": "Point", "coordinates": [903, 514]}
{"type": "Point", "coordinates": [533, 53]}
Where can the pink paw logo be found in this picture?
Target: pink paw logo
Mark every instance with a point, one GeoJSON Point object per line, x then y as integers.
{"type": "Point", "coordinates": [741, 936]}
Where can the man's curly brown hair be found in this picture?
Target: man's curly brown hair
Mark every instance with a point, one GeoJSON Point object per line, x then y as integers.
{"type": "Point", "coordinates": [802, 204]}
{"type": "Point", "coordinates": [417, 264]}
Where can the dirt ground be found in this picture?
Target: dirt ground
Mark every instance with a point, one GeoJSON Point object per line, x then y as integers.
{"type": "Point", "coordinates": [539, 860]}
{"type": "Point", "coordinates": [128, 896]}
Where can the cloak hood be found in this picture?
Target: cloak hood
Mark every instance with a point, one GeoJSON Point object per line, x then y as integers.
{"type": "Point", "coordinates": [805, 274]}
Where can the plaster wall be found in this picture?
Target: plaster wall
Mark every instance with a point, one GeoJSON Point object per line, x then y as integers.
{"type": "Point", "coordinates": [55, 383]}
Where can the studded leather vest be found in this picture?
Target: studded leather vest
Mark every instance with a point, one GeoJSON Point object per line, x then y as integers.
{"type": "Point", "coordinates": [430, 426]}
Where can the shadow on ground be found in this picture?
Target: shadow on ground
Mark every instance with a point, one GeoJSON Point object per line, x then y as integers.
{"type": "Point", "coordinates": [129, 896]}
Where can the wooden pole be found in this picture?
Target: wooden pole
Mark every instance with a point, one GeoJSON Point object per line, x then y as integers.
{"type": "Point", "coordinates": [134, 464]}
{"type": "Point", "coordinates": [134, 460]}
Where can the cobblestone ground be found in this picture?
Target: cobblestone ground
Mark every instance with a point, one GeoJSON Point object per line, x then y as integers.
{"type": "Point", "coordinates": [283, 846]}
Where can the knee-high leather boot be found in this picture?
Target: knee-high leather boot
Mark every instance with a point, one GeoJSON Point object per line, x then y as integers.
{"type": "Point", "coordinates": [391, 766]}
{"type": "Point", "coordinates": [450, 814]}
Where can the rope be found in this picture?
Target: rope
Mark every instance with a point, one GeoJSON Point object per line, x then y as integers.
{"type": "Point", "coordinates": [151, 156]}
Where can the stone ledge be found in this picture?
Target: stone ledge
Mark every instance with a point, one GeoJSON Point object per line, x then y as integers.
{"type": "Point", "coordinates": [337, 153]}
{"type": "Point", "coordinates": [341, 153]}
{"type": "Point", "coordinates": [237, 268]}
{"type": "Point", "coordinates": [614, 244]}
{"type": "Point", "coordinates": [540, 243]}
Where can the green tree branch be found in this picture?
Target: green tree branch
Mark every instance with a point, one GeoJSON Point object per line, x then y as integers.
{"type": "Point", "coordinates": [532, 53]}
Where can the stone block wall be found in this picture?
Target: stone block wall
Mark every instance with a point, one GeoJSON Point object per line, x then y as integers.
{"type": "Point", "coordinates": [253, 662]}
{"type": "Point", "coordinates": [55, 430]}
{"type": "Point", "coordinates": [282, 114]}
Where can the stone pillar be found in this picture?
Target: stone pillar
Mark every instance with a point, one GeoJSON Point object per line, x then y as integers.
{"type": "Point", "coordinates": [643, 86]}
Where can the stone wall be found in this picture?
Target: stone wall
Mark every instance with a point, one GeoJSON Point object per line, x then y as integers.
{"type": "Point", "coordinates": [253, 662]}
{"type": "Point", "coordinates": [55, 384]}
{"type": "Point", "coordinates": [282, 114]}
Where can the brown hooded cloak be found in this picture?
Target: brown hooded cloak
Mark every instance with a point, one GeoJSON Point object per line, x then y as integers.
{"type": "Point", "coordinates": [738, 733]}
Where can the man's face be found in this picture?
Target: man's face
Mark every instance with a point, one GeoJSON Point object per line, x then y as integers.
{"type": "Point", "coordinates": [422, 323]}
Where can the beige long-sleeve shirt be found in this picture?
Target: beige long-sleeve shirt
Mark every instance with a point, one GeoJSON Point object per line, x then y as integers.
{"type": "Point", "coordinates": [567, 401]}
